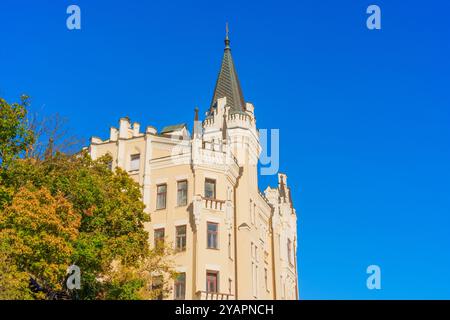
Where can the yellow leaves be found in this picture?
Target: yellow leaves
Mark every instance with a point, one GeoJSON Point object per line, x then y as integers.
{"type": "Point", "coordinates": [13, 283]}
{"type": "Point", "coordinates": [71, 209]}
{"type": "Point", "coordinates": [38, 229]}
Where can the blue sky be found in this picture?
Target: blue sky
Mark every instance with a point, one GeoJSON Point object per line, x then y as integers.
{"type": "Point", "coordinates": [363, 115]}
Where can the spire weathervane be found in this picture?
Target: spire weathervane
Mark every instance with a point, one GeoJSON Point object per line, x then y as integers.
{"type": "Point", "coordinates": [227, 39]}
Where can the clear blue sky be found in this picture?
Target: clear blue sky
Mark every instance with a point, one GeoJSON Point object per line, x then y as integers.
{"type": "Point", "coordinates": [363, 115]}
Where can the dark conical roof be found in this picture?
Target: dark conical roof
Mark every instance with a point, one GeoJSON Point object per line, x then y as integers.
{"type": "Point", "coordinates": [227, 84]}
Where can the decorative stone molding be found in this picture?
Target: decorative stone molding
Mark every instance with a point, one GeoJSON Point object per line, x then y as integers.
{"type": "Point", "coordinates": [197, 209]}
{"type": "Point", "coordinates": [229, 214]}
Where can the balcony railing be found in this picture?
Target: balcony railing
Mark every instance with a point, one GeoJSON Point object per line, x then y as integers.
{"type": "Point", "coordinates": [213, 204]}
{"type": "Point", "coordinates": [205, 295]}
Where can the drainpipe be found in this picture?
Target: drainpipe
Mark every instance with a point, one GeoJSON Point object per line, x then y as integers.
{"type": "Point", "coordinates": [235, 235]}
{"type": "Point", "coordinates": [195, 242]}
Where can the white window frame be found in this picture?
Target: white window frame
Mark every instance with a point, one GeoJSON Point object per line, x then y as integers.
{"type": "Point", "coordinates": [179, 198]}
{"type": "Point", "coordinates": [135, 162]}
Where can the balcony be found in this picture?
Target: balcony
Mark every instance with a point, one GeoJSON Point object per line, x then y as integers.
{"type": "Point", "coordinates": [213, 204]}
{"type": "Point", "coordinates": [205, 295]}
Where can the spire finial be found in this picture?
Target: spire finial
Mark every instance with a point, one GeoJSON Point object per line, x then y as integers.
{"type": "Point", "coordinates": [227, 39]}
{"type": "Point", "coordinates": [196, 114]}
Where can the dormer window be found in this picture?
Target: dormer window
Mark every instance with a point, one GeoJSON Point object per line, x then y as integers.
{"type": "Point", "coordinates": [135, 162]}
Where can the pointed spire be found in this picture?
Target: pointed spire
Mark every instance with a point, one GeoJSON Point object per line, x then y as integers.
{"type": "Point", "coordinates": [228, 84]}
{"type": "Point", "coordinates": [227, 39]}
{"type": "Point", "coordinates": [196, 114]}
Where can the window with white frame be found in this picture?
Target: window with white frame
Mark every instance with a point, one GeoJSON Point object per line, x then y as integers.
{"type": "Point", "coordinates": [159, 237]}
{"type": "Point", "coordinates": [161, 195]}
{"type": "Point", "coordinates": [212, 235]}
{"type": "Point", "coordinates": [182, 193]}
{"type": "Point", "coordinates": [212, 281]}
{"type": "Point", "coordinates": [135, 160]}
{"type": "Point", "coordinates": [180, 286]}
{"type": "Point", "coordinates": [180, 244]}
{"type": "Point", "coordinates": [210, 188]}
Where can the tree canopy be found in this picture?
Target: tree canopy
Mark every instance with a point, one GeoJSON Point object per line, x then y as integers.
{"type": "Point", "coordinates": [15, 134]}
{"type": "Point", "coordinates": [70, 209]}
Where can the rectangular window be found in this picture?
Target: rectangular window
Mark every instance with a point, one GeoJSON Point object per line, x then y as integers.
{"type": "Point", "coordinates": [180, 244]}
{"type": "Point", "coordinates": [157, 287]}
{"type": "Point", "coordinates": [182, 193]}
{"type": "Point", "coordinates": [161, 195]}
{"type": "Point", "coordinates": [134, 162]}
{"type": "Point", "coordinates": [159, 237]}
{"type": "Point", "coordinates": [210, 188]}
{"type": "Point", "coordinates": [180, 286]}
{"type": "Point", "coordinates": [212, 235]}
{"type": "Point", "coordinates": [212, 284]}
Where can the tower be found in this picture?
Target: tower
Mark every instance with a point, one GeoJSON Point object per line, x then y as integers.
{"type": "Point", "coordinates": [201, 190]}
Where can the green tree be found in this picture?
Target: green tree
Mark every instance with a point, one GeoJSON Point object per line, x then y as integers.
{"type": "Point", "coordinates": [37, 230]}
{"type": "Point", "coordinates": [15, 133]}
{"type": "Point", "coordinates": [63, 209]}
{"type": "Point", "coordinates": [112, 218]}
{"type": "Point", "coordinates": [13, 283]}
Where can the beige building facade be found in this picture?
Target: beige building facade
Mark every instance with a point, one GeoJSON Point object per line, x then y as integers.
{"type": "Point", "coordinates": [232, 241]}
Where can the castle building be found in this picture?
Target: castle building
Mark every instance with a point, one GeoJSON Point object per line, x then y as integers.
{"type": "Point", "coordinates": [232, 241]}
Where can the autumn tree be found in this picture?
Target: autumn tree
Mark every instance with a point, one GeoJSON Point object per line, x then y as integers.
{"type": "Point", "coordinates": [66, 209]}
{"type": "Point", "coordinates": [38, 231]}
{"type": "Point", "coordinates": [14, 284]}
